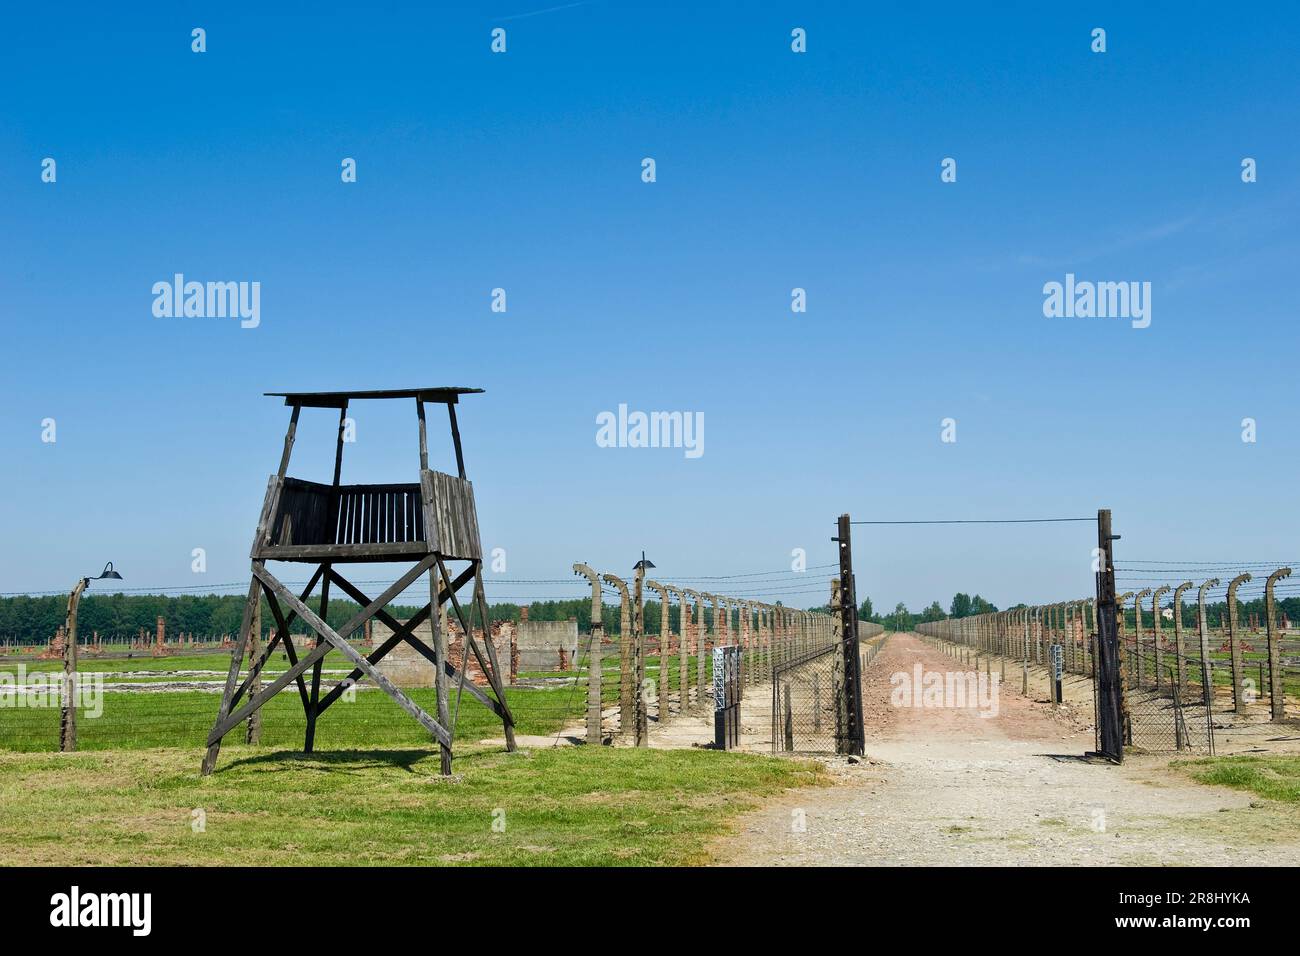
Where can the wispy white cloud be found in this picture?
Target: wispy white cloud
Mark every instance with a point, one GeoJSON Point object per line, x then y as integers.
{"type": "Point", "coordinates": [1121, 243]}
{"type": "Point", "coordinates": [538, 13]}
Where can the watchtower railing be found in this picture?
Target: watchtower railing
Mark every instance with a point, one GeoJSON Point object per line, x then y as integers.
{"type": "Point", "coordinates": [312, 520]}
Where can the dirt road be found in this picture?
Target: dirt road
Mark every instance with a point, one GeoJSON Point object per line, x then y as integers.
{"type": "Point", "coordinates": [945, 786]}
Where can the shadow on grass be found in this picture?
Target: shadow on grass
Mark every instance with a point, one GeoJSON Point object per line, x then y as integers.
{"type": "Point", "coordinates": [341, 761]}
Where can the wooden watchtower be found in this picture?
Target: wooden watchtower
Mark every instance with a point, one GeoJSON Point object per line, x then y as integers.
{"type": "Point", "coordinates": [431, 522]}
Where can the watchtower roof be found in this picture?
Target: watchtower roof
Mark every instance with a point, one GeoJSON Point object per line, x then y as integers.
{"type": "Point", "coordinates": [446, 394]}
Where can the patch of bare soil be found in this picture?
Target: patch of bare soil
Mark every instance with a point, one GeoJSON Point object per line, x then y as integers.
{"type": "Point", "coordinates": [947, 786]}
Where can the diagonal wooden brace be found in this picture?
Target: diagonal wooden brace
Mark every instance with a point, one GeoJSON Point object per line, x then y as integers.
{"type": "Point", "coordinates": [232, 721]}
{"type": "Point", "coordinates": [273, 588]}
{"type": "Point", "coordinates": [282, 627]}
{"type": "Point", "coordinates": [343, 647]}
{"type": "Point", "coordinates": [404, 632]}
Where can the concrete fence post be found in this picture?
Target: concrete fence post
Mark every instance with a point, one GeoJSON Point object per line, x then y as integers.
{"type": "Point", "coordinates": [1180, 646]}
{"type": "Point", "coordinates": [1024, 669]}
{"type": "Point", "coordinates": [1276, 689]}
{"type": "Point", "coordinates": [697, 646]}
{"type": "Point", "coordinates": [704, 671]}
{"type": "Point", "coordinates": [663, 684]}
{"type": "Point", "coordinates": [1155, 630]}
{"type": "Point", "coordinates": [626, 665]}
{"type": "Point", "coordinates": [595, 704]}
{"type": "Point", "coordinates": [1234, 646]}
{"type": "Point", "coordinates": [747, 655]}
{"type": "Point", "coordinates": [1125, 675]}
{"type": "Point", "coordinates": [683, 650]}
{"type": "Point", "coordinates": [1203, 630]}
{"type": "Point", "coordinates": [1137, 634]}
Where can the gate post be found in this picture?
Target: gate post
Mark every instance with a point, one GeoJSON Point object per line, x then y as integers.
{"type": "Point", "coordinates": [1110, 705]}
{"type": "Point", "coordinates": [837, 671]}
{"type": "Point", "coordinates": [849, 649]}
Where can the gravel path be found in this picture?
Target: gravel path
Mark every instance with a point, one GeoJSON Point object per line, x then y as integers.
{"type": "Point", "coordinates": [944, 786]}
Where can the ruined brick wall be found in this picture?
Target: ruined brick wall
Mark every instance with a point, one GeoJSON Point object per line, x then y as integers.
{"type": "Point", "coordinates": [547, 645]}
{"type": "Point", "coordinates": [406, 667]}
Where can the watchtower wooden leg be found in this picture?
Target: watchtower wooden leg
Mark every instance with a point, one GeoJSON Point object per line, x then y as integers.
{"type": "Point", "coordinates": [313, 706]}
{"type": "Point", "coordinates": [336, 640]}
{"type": "Point", "coordinates": [488, 666]}
{"type": "Point", "coordinates": [439, 669]}
{"type": "Point", "coordinates": [494, 673]}
{"type": "Point", "coordinates": [232, 676]}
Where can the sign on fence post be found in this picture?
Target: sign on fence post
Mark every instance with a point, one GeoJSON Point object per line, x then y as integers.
{"type": "Point", "coordinates": [726, 697]}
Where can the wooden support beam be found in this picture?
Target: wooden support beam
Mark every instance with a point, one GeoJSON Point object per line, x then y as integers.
{"type": "Point", "coordinates": [406, 632]}
{"type": "Point", "coordinates": [236, 659]}
{"type": "Point", "coordinates": [424, 435]}
{"type": "Point", "coordinates": [268, 582]}
{"type": "Point", "coordinates": [402, 633]}
{"type": "Point", "coordinates": [228, 723]}
{"type": "Point", "coordinates": [288, 441]}
{"type": "Point", "coordinates": [282, 626]}
{"type": "Point", "coordinates": [343, 647]}
{"type": "Point", "coordinates": [495, 675]}
{"type": "Point", "coordinates": [440, 649]}
{"type": "Point", "coordinates": [488, 667]}
{"type": "Point", "coordinates": [455, 440]}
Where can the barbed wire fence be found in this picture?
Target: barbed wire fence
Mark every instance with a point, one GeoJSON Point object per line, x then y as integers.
{"type": "Point", "coordinates": [147, 689]}
{"type": "Point", "coordinates": [657, 678]}
{"type": "Point", "coordinates": [1183, 674]}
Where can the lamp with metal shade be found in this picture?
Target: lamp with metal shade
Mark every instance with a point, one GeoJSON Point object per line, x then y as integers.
{"type": "Point", "coordinates": [68, 708]}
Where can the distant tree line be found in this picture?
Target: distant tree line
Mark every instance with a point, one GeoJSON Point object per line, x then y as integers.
{"type": "Point", "coordinates": [965, 605]}
{"type": "Point", "coordinates": [33, 620]}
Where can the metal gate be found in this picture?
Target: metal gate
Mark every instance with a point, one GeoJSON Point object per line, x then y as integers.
{"type": "Point", "coordinates": [809, 704]}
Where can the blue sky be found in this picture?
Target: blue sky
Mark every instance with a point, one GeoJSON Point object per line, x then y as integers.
{"type": "Point", "coordinates": [775, 170]}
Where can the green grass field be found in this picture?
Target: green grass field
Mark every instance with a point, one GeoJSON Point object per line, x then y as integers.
{"type": "Point", "coordinates": [218, 662]}
{"type": "Point", "coordinates": [184, 718]}
{"type": "Point", "coordinates": [1274, 777]}
{"type": "Point", "coordinates": [370, 794]}
{"type": "Point", "coordinates": [594, 806]}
